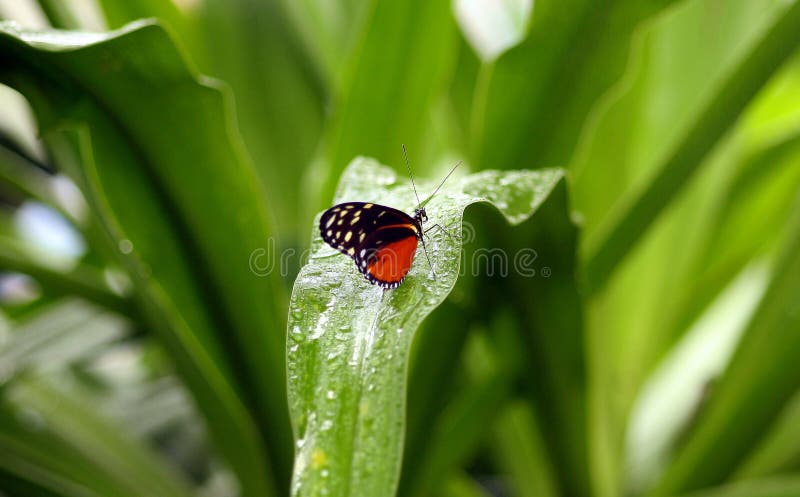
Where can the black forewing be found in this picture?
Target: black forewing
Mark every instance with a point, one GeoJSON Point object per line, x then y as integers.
{"type": "Point", "coordinates": [346, 226]}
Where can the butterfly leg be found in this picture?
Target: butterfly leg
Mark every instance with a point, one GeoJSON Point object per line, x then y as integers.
{"type": "Point", "coordinates": [425, 249]}
{"type": "Point", "coordinates": [442, 228]}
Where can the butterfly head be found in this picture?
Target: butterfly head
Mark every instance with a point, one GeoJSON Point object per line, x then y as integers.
{"type": "Point", "coordinates": [420, 216]}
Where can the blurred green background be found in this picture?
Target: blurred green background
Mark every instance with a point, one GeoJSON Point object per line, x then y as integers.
{"type": "Point", "coordinates": [144, 172]}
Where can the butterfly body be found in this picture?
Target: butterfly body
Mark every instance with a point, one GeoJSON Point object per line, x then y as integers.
{"type": "Point", "coordinates": [381, 240]}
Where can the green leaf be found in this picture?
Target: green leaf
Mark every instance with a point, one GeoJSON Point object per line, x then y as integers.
{"type": "Point", "coordinates": [117, 14]}
{"type": "Point", "coordinates": [83, 281]}
{"type": "Point", "coordinates": [751, 394]}
{"type": "Point", "coordinates": [59, 442]}
{"type": "Point", "coordinates": [396, 69]}
{"type": "Point", "coordinates": [779, 452]}
{"type": "Point", "coordinates": [518, 446]}
{"type": "Point", "coordinates": [348, 341]}
{"type": "Point", "coordinates": [785, 486]}
{"type": "Point", "coordinates": [435, 353]}
{"type": "Point", "coordinates": [60, 14]}
{"type": "Point", "coordinates": [674, 70]}
{"type": "Point", "coordinates": [56, 335]}
{"type": "Point", "coordinates": [461, 485]}
{"type": "Point", "coordinates": [185, 210]}
{"type": "Point", "coordinates": [760, 196]}
{"type": "Point", "coordinates": [328, 28]}
{"type": "Point", "coordinates": [23, 175]}
{"type": "Point", "coordinates": [280, 100]}
{"type": "Point", "coordinates": [547, 316]}
{"type": "Point", "coordinates": [719, 114]}
{"type": "Point", "coordinates": [533, 105]}
{"type": "Point", "coordinates": [456, 431]}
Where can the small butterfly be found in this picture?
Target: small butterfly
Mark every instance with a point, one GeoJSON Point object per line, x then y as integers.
{"type": "Point", "coordinates": [381, 240]}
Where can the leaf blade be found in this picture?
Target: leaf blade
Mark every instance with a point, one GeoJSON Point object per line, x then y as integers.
{"type": "Point", "coordinates": [780, 41]}
{"type": "Point", "coordinates": [349, 341]}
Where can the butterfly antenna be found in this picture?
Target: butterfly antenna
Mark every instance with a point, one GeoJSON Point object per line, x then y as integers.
{"type": "Point", "coordinates": [440, 184]}
{"type": "Point", "coordinates": [408, 166]}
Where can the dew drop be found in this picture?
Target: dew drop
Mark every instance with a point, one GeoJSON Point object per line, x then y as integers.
{"type": "Point", "coordinates": [125, 246]}
{"type": "Point", "coordinates": [297, 335]}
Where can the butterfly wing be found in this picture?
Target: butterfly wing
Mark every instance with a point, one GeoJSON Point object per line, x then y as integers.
{"type": "Point", "coordinates": [346, 226]}
{"type": "Point", "coordinates": [386, 255]}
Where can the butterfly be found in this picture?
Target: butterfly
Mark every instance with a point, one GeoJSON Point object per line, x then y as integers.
{"type": "Point", "coordinates": [381, 240]}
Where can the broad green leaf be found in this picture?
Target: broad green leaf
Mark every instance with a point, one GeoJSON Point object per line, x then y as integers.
{"type": "Point", "coordinates": [45, 485]}
{"type": "Point", "coordinates": [60, 13]}
{"type": "Point", "coordinates": [779, 452]}
{"type": "Point", "coordinates": [117, 14]}
{"type": "Point", "coordinates": [81, 280]}
{"type": "Point", "coordinates": [280, 98]}
{"type": "Point", "coordinates": [676, 390]}
{"type": "Point", "coordinates": [728, 102]}
{"type": "Point", "coordinates": [436, 353]}
{"type": "Point", "coordinates": [56, 335]}
{"type": "Point", "coordinates": [58, 441]}
{"type": "Point", "coordinates": [519, 449]}
{"type": "Point", "coordinates": [328, 28]}
{"type": "Point", "coordinates": [151, 408]}
{"type": "Point", "coordinates": [184, 209]}
{"type": "Point", "coordinates": [391, 79]}
{"type": "Point", "coordinates": [539, 93]}
{"type": "Point", "coordinates": [547, 309]}
{"type": "Point", "coordinates": [675, 67]}
{"type": "Point", "coordinates": [461, 485]}
{"type": "Point", "coordinates": [784, 486]}
{"type": "Point", "coordinates": [456, 432]}
{"type": "Point", "coordinates": [349, 341]}
{"type": "Point", "coordinates": [760, 197]}
{"type": "Point", "coordinates": [21, 173]}
{"type": "Point", "coordinates": [749, 397]}
{"type": "Point", "coordinates": [531, 315]}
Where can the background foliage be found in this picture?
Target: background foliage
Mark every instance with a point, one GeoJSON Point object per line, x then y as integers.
{"type": "Point", "coordinates": [145, 170]}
